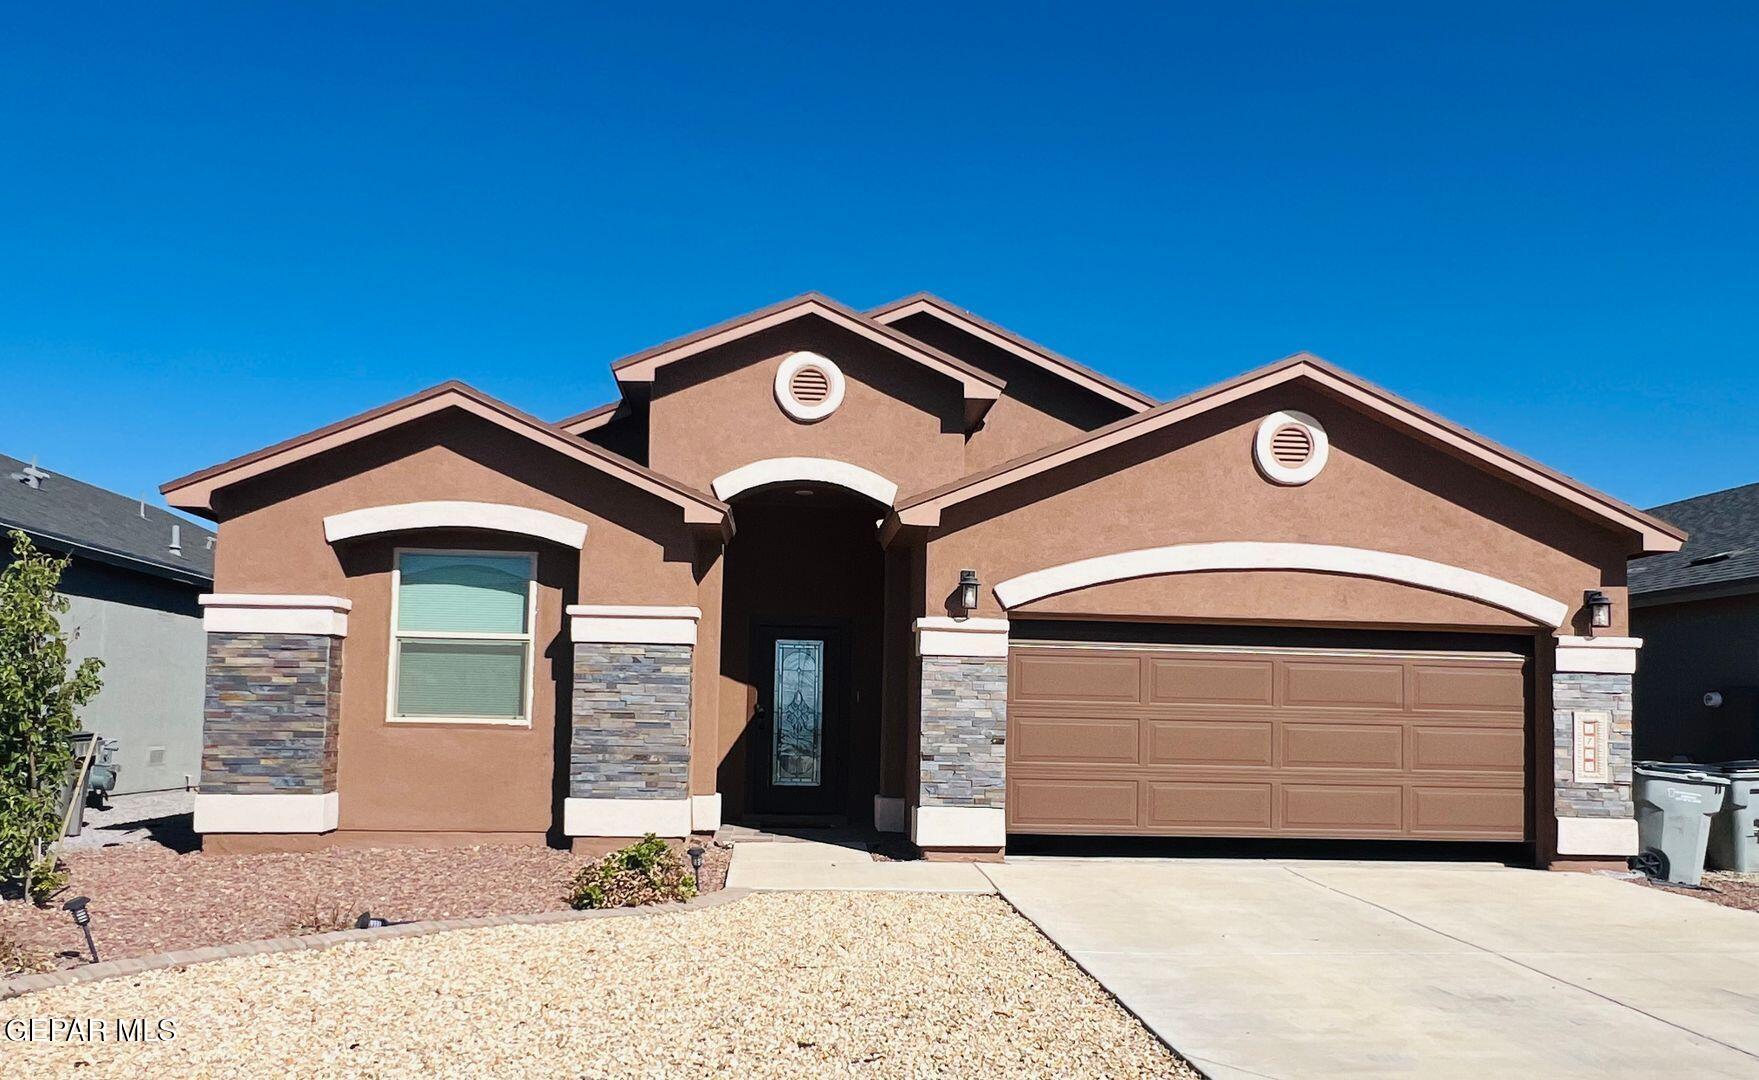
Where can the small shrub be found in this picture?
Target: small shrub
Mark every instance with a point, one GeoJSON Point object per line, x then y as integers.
{"type": "Point", "coordinates": [16, 958]}
{"type": "Point", "coordinates": [49, 878]}
{"type": "Point", "coordinates": [646, 872]}
{"type": "Point", "coordinates": [320, 917]}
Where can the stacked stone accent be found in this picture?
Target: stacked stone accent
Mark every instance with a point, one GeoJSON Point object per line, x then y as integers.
{"type": "Point", "coordinates": [964, 731]}
{"type": "Point", "coordinates": [1608, 697]}
{"type": "Point", "coordinates": [271, 713]}
{"type": "Point", "coordinates": [631, 722]}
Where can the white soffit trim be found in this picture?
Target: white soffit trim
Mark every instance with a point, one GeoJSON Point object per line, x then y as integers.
{"type": "Point", "coordinates": [889, 814]}
{"type": "Point", "coordinates": [788, 470]}
{"type": "Point", "coordinates": [266, 813]}
{"type": "Point", "coordinates": [626, 817]}
{"type": "Point", "coordinates": [630, 624]}
{"type": "Point", "coordinates": [938, 635]}
{"type": "Point", "coordinates": [274, 613]}
{"type": "Point", "coordinates": [1596, 836]}
{"type": "Point", "coordinates": [447, 514]}
{"type": "Point", "coordinates": [1597, 656]}
{"type": "Point", "coordinates": [958, 827]}
{"type": "Point", "coordinates": [705, 812]}
{"type": "Point", "coordinates": [1257, 555]}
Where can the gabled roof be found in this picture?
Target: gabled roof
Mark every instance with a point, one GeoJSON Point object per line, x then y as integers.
{"type": "Point", "coordinates": [1721, 556]}
{"type": "Point", "coordinates": [981, 389]}
{"type": "Point", "coordinates": [1656, 535]}
{"type": "Point", "coordinates": [195, 491]}
{"type": "Point", "coordinates": [593, 419]}
{"type": "Point", "coordinates": [65, 514]}
{"type": "Point", "coordinates": [1002, 338]}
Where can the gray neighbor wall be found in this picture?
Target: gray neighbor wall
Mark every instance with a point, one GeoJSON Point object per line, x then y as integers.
{"type": "Point", "coordinates": [148, 632]}
{"type": "Point", "coordinates": [1690, 647]}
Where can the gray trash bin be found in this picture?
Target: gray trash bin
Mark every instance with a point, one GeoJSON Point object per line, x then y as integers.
{"type": "Point", "coordinates": [1734, 832]}
{"type": "Point", "coordinates": [1674, 808]}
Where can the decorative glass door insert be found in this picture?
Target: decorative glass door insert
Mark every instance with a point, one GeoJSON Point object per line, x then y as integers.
{"type": "Point", "coordinates": [797, 734]}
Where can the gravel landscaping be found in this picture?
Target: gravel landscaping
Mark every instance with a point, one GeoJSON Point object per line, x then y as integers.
{"type": "Point", "coordinates": [780, 984]}
{"type": "Point", "coordinates": [1723, 887]}
{"type": "Point", "coordinates": [148, 899]}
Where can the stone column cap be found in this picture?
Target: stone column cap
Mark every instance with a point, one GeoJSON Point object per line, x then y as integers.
{"type": "Point", "coordinates": [275, 613]}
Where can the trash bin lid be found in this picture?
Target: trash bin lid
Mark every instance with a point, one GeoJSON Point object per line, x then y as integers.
{"type": "Point", "coordinates": [1737, 768]}
{"type": "Point", "coordinates": [1691, 774]}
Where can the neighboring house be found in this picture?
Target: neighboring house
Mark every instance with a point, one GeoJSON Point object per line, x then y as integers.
{"type": "Point", "coordinates": [132, 591]}
{"type": "Point", "coordinates": [1697, 611]}
{"type": "Point", "coordinates": [908, 568]}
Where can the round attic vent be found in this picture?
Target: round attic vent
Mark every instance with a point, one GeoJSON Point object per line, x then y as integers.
{"type": "Point", "coordinates": [808, 387]}
{"type": "Point", "coordinates": [1291, 448]}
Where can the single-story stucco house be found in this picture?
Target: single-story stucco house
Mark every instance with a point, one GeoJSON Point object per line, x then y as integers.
{"type": "Point", "coordinates": [906, 567]}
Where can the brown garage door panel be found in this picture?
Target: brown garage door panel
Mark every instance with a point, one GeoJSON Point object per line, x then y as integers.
{"type": "Point", "coordinates": [1194, 807]}
{"type": "Point", "coordinates": [1343, 746]}
{"type": "Point", "coordinates": [1263, 741]}
{"type": "Point", "coordinates": [1207, 680]}
{"type": "Point", "coordinates": [1076, 740]}
{"type": "Point", "coordinates": [1065, 805]}
{"type": "Point", "coordinates": [1494, 813]}
{"type": "Point", "coordinates": [1054, 677]}
{"type": "Point", "coordinates": [1342, 809]}
{"type": "Point", "coordinates": [1208, 742]}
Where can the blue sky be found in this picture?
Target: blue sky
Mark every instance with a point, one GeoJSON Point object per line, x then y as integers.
{"type": "Point", "coordinates": [224, 225]}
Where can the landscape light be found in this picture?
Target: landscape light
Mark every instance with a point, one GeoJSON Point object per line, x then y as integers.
{"type": "Point", "coordinates": [83, 919]}
{"type": "Point", "coordinates": [695, 854]}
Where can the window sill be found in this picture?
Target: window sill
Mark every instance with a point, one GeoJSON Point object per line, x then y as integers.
{"type": "Point", "coordinates": [474, 721]}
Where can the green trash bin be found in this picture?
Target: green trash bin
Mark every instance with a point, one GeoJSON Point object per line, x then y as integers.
{"type": "Point", "coordinates": [1674, 806]}
{"type": "Point", "coordinates": [1734, 831]}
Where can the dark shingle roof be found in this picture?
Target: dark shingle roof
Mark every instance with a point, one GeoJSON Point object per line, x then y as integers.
{"type": "Point", "coordinates": [1723, 548]}
{"type": "Point", "coordinates": [66, 513]}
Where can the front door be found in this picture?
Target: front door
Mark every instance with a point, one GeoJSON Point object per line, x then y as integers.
{"type": "Point", "coordinates": [802, 721]}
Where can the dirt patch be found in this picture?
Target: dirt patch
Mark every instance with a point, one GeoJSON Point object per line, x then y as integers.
{"type": "Point", "coordinates": [148, 899]}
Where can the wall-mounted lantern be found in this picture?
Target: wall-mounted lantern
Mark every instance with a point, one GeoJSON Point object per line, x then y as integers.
{"type": "Point", "coordinates": [1599, 609]}
{"type": "Point", "coordinates": [968, 590]}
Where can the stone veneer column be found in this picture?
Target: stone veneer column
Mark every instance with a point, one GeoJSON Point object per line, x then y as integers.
{"type": "Point", "coordinates": [961, 776]}
{"type": "Point", "coordinates": [1591, 746]}
{"type": "Point", "coordinates": [270, 713]}
{"type": "Point", "coordinates": [629, 747]}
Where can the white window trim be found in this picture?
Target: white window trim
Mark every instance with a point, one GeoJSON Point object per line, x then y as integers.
{"type": "Point", "coordinates": [394, 650]}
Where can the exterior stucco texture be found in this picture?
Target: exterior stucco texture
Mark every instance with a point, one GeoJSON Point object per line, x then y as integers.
{"type": "Point", "coordinates": [270, 714]}
{"type": "Point", "coordinates": [631, 722]}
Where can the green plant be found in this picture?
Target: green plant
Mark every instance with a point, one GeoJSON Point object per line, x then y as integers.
{"type": "Point", "coordinates": [39, 697]}
{"type": "Point", "coordinates": [646, 872]}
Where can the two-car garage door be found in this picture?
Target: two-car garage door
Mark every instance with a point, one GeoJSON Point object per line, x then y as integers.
{"type": "Point", "coordinates": [1185, 740]}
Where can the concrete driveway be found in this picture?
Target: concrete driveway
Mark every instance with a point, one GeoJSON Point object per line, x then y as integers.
{"type": "Point", "coordinates": [1299, 969]}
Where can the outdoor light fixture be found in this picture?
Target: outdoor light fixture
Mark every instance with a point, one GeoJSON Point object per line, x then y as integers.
{"type": "Point", "coordinates": [695, 854]}
{"type": "Point", "coordinates": [968, 590]}
{"type": "Point", "coordinates": [1599, 609]}
{"type": "Point", "coordinates": [83, 918]}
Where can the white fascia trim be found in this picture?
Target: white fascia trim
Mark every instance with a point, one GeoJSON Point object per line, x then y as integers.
{"type": "Point", "coordinates": [705, 812]}
{"type": "Point", "coordinates": [1260, 555]}
{"type": "Point", "coordinates": [797, 470]}
{"type": "Point", "coordinates": [626, 817]}
{"type": "Point", "coordinates": [958, 827]}
{"type": "Point", "coordinates": [889, 814]}
{"type": "Point", "coordinates": [1596, 836]}
{"type": "Point", "coordinates": [274, 613]}
{"type": "Point", "coordinates": [266, 813]}
{"type": "Point", "coordinates": [938, 635]}
{"type": "Point", "coordinates": [630, 624]}
{"type": "Point", "coordinates": [1597, 656]}
{"type": "Point", "coordinates": [447, 514]}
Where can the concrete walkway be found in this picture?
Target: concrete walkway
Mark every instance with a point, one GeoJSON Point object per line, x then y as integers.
{"type": "Point", "coordinates": [796, 865]}
{"type": "Point", "coordinates": [1298, 969]}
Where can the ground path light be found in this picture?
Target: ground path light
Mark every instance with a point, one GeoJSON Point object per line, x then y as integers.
{"type": "Point", "coordinates": [77, 907]}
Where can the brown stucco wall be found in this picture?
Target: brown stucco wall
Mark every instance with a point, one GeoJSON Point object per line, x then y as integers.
{"type": "Point", "coordinates": [467, 779]}
{"type": "Point", "coordinates": [1197, 482]}
{"type": "Point", "coordinates": [713, 413]}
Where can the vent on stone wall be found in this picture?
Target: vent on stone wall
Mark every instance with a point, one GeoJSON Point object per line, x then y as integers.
{"type": "Point", "coordinates": [810, 386]}
{"type": "Point", "coordinates": [1291, 446]}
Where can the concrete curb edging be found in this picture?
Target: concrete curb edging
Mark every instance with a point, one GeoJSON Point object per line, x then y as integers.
{"type": "Point", "coordinates": [135, 965]}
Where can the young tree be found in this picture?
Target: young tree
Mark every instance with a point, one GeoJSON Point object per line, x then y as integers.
{"type": "Point", "coordinates": [38, 696]}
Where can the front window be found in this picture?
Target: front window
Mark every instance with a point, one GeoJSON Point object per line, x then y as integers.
{"type": "Point", "coordinates": [461, 640]}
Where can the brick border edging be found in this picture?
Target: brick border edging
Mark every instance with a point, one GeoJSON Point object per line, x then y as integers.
{"type": "Point", "coordinates": [135, 965]}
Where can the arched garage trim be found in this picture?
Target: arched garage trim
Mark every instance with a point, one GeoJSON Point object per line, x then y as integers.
{"type": "Point", "coordinates": [496, 517]}
{"type": "Point", "coordinates": [1254, 555]}
{"type": "Point", "coordinates": [787, 470]}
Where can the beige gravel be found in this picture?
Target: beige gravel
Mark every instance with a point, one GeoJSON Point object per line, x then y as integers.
{"type": "Point", "coordinates": [872, 984]}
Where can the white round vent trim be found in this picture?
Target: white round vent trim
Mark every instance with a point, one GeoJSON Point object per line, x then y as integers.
{"type": "Point", "coordinates": [1264, 449]}
{"type": "Point", "coordinates": [800, 410]}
